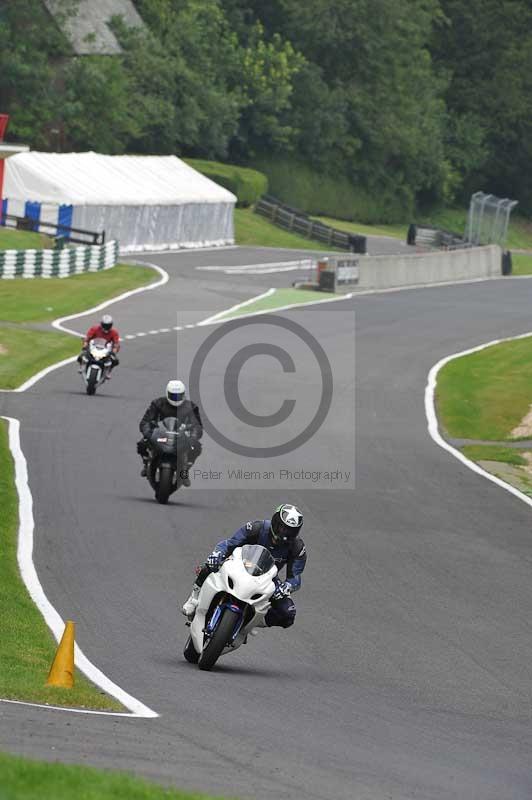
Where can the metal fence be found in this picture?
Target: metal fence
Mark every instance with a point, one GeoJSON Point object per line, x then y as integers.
{"type": "Point", "coordinates": [294, 220]}
{"type": "Point", "coordinates": [487, 220]}
{"type": "Point", "coordinates": [78, 235]}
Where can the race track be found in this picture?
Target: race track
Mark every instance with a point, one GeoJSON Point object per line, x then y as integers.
{"type": "Point", "coordinates": [408, 673]}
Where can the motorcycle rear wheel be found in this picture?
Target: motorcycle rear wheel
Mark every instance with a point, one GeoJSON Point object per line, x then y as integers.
{"type": "Point", "coordinates": [220, 639]}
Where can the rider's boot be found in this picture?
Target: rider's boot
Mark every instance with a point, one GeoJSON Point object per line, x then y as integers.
{"type": "Point", "coordinates": [144, 470]}
{"type": "Point", "coordinates": [189, 608]}
{"type": "Point", "coordinates": [185, 477]}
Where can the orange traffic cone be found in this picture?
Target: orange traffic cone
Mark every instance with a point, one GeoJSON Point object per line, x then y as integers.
{"type": "Point", "coordinates": [62, 669]}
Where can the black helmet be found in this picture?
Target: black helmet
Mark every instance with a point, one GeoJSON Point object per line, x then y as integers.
{"type": "Point", "coordinates": [286, 523]}
{"type": "Point", "coordinates": [107, 322]}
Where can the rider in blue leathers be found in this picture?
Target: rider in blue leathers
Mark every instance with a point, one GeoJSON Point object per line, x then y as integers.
{"type": "Point", "coordinates": [280, 536]}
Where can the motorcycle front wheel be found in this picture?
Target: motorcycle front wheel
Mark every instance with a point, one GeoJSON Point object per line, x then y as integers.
{"type": "Point", "coordinates": [220, 639]}
{"type": "Point", "coordinates": [164, 489]}
{"type": "Point", "coordinates": [92, 382]}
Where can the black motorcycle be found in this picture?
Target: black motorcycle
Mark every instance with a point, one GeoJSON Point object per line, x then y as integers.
{"type": "Point", "coordinates": [167, 463]}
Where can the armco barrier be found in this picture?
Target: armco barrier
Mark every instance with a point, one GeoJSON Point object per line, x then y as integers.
{"type": "Point", "coordinates": [57, 263]}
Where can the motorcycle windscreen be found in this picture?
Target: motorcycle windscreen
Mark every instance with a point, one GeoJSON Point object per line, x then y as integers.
{"type": "Point", "coordinates": [100, 344]}
{"type": "Point", "coordinates": [256, 559]}
{"type": "Point", "coordinates": [170, 423]}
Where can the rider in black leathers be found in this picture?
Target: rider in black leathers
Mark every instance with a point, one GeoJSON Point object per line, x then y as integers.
{"type": "Point", "coordinates": [173, 405]}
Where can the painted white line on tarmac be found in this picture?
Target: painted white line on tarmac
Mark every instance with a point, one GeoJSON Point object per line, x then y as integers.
{"type": "Point", "coordinates": [236, 307]}
{"type": "Point", "coordinates": [432, 419]}
{"type": "Point", "coordinates": [26, 523]}
{"type": "Point", "coordinates": [33, 584]}
{"type": "Point", "coordinates": [58, 323]}
{"type": "Point", "coordinates": [73, 710]}
{"type": "Point", "coordinates": [220, 318]}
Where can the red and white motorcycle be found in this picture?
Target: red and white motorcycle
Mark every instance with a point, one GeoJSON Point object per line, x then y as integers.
{"type": "Point", "coordinates": [96, 363]}
{"type": "Point", "coordinates": [231, 603]}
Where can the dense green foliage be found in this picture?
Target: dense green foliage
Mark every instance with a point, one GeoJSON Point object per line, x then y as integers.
{"type": "Point", "coordinates": [247, 184]}
{"type": "Point", "coordinates": [402, 104]}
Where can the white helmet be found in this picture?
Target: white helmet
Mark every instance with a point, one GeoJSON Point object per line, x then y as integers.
{"type": "Point", "coordinates": [175, 392]}
{"type": "Point", "coordinates": [107, 322]}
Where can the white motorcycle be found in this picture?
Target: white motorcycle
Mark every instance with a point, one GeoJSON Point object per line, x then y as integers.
{"type": "Point", "coordinates": [231, 603]}
{"type": "Point", "coordinates": [96, 364]}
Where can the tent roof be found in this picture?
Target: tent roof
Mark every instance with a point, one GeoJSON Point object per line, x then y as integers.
{"type": "Point", "coordinates": [95, 179]}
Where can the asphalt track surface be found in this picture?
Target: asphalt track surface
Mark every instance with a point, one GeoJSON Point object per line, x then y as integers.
{"type": "Point", "coordinates": [408, 672]}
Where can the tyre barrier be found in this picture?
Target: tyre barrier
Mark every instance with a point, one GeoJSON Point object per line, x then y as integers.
{"type": "Point", "coordinates": [58, 263]}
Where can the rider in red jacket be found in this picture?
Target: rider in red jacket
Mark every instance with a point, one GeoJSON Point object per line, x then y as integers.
{"type": "Point", "coordinates": [105, 331]}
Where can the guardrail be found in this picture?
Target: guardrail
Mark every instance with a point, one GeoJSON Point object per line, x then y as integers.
{"type": "Point", "coordinates": [293, 219]}
{"type": "Point", "coordinates": [437, 238]}
{"type": "Point", "coordinates": [56, 229]}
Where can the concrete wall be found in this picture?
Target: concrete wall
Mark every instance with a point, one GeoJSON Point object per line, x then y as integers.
{"type": "Point", "coordinates": [384, 272]}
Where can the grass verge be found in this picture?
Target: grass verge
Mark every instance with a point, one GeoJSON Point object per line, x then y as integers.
{"type": "Point", "coordinates": [23, 240]}
{"type": "Point", "coordinates": [253, 230]}
{"type": "Point", "coordinates": [489, 452]}
{"type": "Point", "coordinates": [486, 394]}
{"type": "Point", "coordinates": [23, 352]}
{"type": "Point", "coordinates": [22, 779]}
{"type": "Point", "coordinates": [278, 299]}
{"type": "Point", "coordinates": [44, 299]}
{"type": "Point", "coordinates": [521, 264]}
{"type": "Point", "coordinates": [27, 646]}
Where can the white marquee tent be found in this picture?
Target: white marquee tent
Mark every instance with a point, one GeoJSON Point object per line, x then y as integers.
{"type": "Point", "coordinates": [145, 202]}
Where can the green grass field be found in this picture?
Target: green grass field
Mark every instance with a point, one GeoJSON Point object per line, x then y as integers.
{"type": "Point", "coordinates": [23, 240]}
{"type": "Point", "coordinates": [279, 298]}
{"type": "Point", "coordinates": [43, 299]}
{"type": "Point", "coordinates": [23, 779]}
{"type": "Point", "coordinates": [254, 230]}
{"type": "Point", "coordinates": [24, 351]}
{"type": "Point", "coordinates": [27, 645]}
{"type": "Point", "coordinates": [485, 395]}
{"type": "Point", "coordinates": [489, 452]}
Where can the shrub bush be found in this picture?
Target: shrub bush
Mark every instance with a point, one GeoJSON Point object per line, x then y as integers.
{"type": "Point", "coordinates": [247, 184]}
{"type": "Point", "coordinates": [298, 185]}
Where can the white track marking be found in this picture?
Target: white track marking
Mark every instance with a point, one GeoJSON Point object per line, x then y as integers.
{"type": "Point", "coordinates": [251, 300]}
{"type": "Point", "coordinates": [73, 710]}
{"type": "Point", "coordinates": [33, 585]}
{"type": "Point", "coordinates": [261, 269]}
{"type": "Point", "coordinates": [215, 320]}
{"type": "Point", "coordinates": [26, 525]}
{"type": "Point", "coordinates": [432, 419]}
{"type": "Point", "coordinates": [58, 323]}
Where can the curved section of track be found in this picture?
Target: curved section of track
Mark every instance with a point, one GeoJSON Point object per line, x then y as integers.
{"type": "Point", "coordinates": [408, 672]}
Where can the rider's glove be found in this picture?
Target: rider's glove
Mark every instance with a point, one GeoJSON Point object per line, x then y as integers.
{"type": "Point", "coordinates": [215, 560]}
{"type": "Point", "coordinates": [282, 590]}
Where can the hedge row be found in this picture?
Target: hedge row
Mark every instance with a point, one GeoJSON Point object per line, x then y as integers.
{"type": "Point", "coordinates": [247, 184]}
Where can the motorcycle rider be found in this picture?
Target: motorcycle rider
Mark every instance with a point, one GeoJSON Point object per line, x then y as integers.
{"type": "Point", "coordinates": [105, 331]}
{"type": "Point", "coordinates": [174, 404]}
{"type": "Point", "coordinates": [280, 536]}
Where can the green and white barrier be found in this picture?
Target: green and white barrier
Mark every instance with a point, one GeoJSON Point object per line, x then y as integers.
{"type": "Point", "coordinates": [57, 263]}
